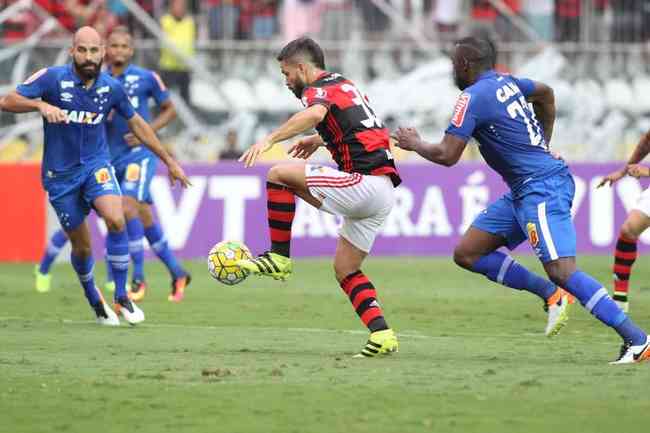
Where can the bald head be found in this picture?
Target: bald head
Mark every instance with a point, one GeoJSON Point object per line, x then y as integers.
{"type": "Point", "coordinates": [87, 53]}
{"type": "Point", "coordinates": [87, 35]}
{"type": "Point", "coordinates": [472, 56]}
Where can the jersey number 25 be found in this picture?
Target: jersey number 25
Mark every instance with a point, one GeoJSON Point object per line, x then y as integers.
{"type": "Point", "coordinates": [521, 108]}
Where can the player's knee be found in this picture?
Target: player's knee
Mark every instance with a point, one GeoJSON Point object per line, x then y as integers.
{"type": "Point", "coordinates": [130, 212]}
{"type": "Point", "coordinates": [115, 223]}
{"type": "Point", "coordinates": [558, 274]}
{"type": "Point", "coordinates": [342, 270]}
{"type": "Point", "coordinates": [80, 249]}
{"type": "Point", "coordinates": [628, 231]}
{"type": "Point", "coordinates": [463, 259]}
{"type": "Point", "coordinates": [275, 174]}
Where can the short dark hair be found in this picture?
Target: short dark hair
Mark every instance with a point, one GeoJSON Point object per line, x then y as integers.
{"type": "Point", "coordinates": [306, 47]}
{"type": "Point", "coordinates": [483, 51]}
{"type": "Point", "coordinates": [120, 30]}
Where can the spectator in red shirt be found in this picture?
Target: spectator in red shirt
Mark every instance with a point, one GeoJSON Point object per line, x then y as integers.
{"type": "Point", "coordinates": [567, 20]}
{"type": "Point", "coordinates": [18, 26]}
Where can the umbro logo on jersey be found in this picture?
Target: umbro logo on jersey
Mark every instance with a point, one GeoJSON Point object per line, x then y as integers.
{"type": "Point", "coordinates": [66, 97]}
{"type": "Point", "coordinates": [460, 109]}
{"type": "Point", "coordinates": [67, 84]}
{"type": "Point", "coordinates": [86, 117]}
{"type": "Point", "coordinates": [103, 89]}
{"type": "Point", "coordinates": [131, 78]}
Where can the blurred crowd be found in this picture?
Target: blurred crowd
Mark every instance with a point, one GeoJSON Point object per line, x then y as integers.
{"type": "Point", "coordinates": [552, 20]}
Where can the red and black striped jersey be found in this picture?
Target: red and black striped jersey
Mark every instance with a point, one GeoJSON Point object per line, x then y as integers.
{"type": "Point", "coordinates": [356, 138]}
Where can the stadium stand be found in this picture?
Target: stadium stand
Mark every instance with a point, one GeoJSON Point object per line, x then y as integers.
{"type": "Point", "coordinates": [395, 50]}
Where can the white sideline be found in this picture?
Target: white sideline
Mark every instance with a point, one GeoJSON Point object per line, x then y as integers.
{"type": "Point", "coordinates": [406, 334]}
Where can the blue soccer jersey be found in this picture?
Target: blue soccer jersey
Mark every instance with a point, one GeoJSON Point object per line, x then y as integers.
{"type": "Point", "coordinates": [140, 85]}
{"type": "Point", "coordinates": [81, 141]}
{"type": "Point", "coordinates": [495, 112]}
{"type": "Point", "coordinates": [76, 164]}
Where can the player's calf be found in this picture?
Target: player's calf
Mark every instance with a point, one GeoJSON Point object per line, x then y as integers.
{"type": "Point", "coordinates": [363, 298]}
{"type": "Point", "coordinates": [624, 257]}
{"type": "Point", "coordinates": [281, 209]}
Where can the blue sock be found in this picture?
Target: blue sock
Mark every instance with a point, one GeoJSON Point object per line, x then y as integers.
{"type": "Point", "coordinates": [596, 300]}
{"type": "Point", "coordinates": [136, 234]}
{"type": "Point", "coordinates": [159, 245]}
{"type": "Point", "coordinates": [84, 269]}
{"type": "Point", "coordinates": [109, 271]}
{"type": "Point", "coordinates": [57, 241]}
{"type": "Point", "coordinates": [117, 254]}
{"type": "Point", "coordinates": [503, 269]}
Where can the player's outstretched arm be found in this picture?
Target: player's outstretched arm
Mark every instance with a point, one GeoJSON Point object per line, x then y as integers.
{"type": "Point", "coordinates": [300, 122]}
{"type": "Point", "coordinates": [16, 103]}
{"type": "Point", "coordinates": [640, 152]}
{"type": "Point", "coordinates": [543, 100]}
{"type": "Point", "coordinates": [446, 153]}
{"type": "Point", "coordinates": [146, 135]}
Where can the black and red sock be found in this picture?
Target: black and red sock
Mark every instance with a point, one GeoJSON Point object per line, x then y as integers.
{"type": "Point", "coordinates": [624, 258]}
{"type": "Point", "coordinates": [363, 296]}
{"type": "Point", "coordinates": [281, 206]}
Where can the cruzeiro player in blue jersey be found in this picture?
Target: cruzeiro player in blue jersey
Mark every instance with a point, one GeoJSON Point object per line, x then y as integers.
{"type": "Point", "coordinates": [512, 120]}
{"type": "Point", "coordinates": [135, 167]}
{"type": "Point", "coordinates": [75, 101]}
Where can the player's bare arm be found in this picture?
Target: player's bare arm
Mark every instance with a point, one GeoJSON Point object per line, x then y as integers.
{"type": "Point", "coordinates": [143, 131]}
{"type": "Point", "coordinates": [167, 114]}
{"type": "Point", "coordinates": [16, 103]}
{"type": "Point", "coordinates": [306, 146]}
{"type": "Point", "coordinates": [543, 100]}
{"type": "Point", "coordinates": [446, 153]}
{"type": "Point", "coordinates": [640, 152]}
{"type": "Point", "coordinates": [298, 123]}
{"type": "Point", "coordinates": [638, 170]}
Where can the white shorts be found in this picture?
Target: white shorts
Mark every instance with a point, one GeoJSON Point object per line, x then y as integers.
{"type": "Point", "coordinates": [364, 201]}
{"type": "Point", "coordinates": [643, 203]}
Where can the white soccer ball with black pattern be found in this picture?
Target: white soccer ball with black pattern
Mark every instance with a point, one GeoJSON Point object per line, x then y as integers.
{"type": "Point", "coordinates": [222, 262]}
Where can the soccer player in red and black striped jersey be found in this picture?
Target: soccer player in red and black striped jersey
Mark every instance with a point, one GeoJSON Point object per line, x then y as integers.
{"type": "Point", "coordinates": [637, 222]}
{"type": "Point", "coordinates": [361, 190]}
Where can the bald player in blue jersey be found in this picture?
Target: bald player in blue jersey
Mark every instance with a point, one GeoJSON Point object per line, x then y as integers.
{"type": "Point", "coordinates": [75, 101]}
{"type": "Point", "coordinates": [135, 167]}
{"type": "Point", "coordinates": [512, 120]}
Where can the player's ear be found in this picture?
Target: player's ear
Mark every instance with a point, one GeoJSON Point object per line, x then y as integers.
{"type": "Point", "coordinates": [303, 68]}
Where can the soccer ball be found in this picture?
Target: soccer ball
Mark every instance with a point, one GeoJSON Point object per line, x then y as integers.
{"type": "Point", "coordinates": [222, 261]}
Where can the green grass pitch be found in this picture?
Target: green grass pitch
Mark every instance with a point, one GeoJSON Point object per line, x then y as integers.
{"type": "Point", "coordinates": [266, 356]}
